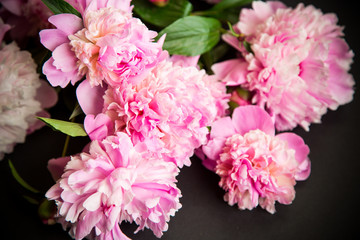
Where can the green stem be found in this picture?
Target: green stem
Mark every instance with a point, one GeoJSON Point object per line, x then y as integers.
{"type": "Point", "coordinates": [67, 140]}
{"type": "Point", "coordinates": [66, 145]}
{"type": "Point", "coordinates": [224, 31]}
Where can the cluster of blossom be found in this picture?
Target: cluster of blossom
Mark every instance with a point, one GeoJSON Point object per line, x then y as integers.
{"type": "Point", "coordinates": [146, 113]}
{"type": "Point", "coordinates": [139, 102]}
{"type": "Point", "coordinates": [22, 94]}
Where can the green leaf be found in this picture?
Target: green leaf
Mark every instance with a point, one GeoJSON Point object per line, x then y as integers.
{"type": "Point", "coordinates": [61, 6]}
{"type": "Point", "coordinates": [20, 180]}
{"type": "Point", "coordinates": [69, 128]}
{"type": "Point", "coordinates": [191, 35]}
{"type": "Point", "coordinates": [76, 112]}
{"type": "Point", "coordinates": [225, 4]}
{"type": "Point", "coordinates": [228, 15]}
{"type": "Point", "coordinates": [162, 16]}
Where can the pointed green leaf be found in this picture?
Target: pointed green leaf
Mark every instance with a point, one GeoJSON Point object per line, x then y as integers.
{"type": "Point", "coordinates": [226, 4]}
{"type": "Point", "coordinates": [191, 35]}
{"type": "Point", "coordinates": [69, 128]}
{"type": "Point", "coordinates": [61, 6]}
{"type": "Point", "coordinates": [20, 180]}
{"type": "Point", "coordinates": [76, 112]}
{"type": "Point", "coordinates": [162, 16]}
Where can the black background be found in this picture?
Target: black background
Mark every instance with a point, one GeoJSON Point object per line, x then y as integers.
{"type": "Point", "coordinates": [326, 205]}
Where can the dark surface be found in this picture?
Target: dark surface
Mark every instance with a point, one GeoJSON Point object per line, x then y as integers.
{"type": "Point", "coordinates": [326, 205]}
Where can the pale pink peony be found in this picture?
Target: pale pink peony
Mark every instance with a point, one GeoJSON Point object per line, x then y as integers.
{"type": "Point", "coordinates": [26, 17]}
{"type": "Point", "coordinates": [109, 46]}
{"type": "Point", "coordinates": [299, 65]}
{"type": "Point", "coordinates": [22, 95]}
{"type": "Point", "coordinates": [255, 166]}
{"type": "Point", "coordinates": [169, 110]}
{"type": "Point", "coordinates": [112, 183]}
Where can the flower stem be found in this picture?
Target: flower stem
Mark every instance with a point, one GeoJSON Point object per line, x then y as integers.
{"type": "Point", "coordinates": [66, 145]}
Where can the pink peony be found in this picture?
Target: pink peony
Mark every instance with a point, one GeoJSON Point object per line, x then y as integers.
{"type": "Point", "coordinates": [107, 45]}
{"type": "Point", "coordinates": [169, 110]}
{"type": "Point", "coordinates": [22, 95]}
{"type": "Point", "coordinates": [299, 65]}
{"type": "Point", "coordinates": [115, 182]}
{"type": "Point", "coordinates": [255, 166]}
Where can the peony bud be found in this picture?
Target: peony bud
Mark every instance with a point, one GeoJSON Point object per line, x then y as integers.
{"type": "Point", "coordinates": [160, 3]}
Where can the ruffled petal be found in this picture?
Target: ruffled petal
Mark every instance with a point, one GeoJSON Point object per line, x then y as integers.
{"type": "Point", "coordinates": [232, 72]}
{"type": "Point", "coordinates": [98, 127]}
{"type": "Point", "coordinates": [64, 59]}
{"type": "Point", "coordinates": [301, 154]}
{"type": "Point", "coordinates": [67, 23]}
{"type": "Point", "coordinates": [248, 118]}
{"type": "Point", "coordinates": [52, 38]}
{"type": "Point", "coordinates": [90, 98]}
{"type": "Point", "coordinates": [55, 76]}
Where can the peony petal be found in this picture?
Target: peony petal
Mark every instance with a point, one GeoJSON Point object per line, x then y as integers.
{"type": "Point", "coordinates": [85, 224]}
{"type": "Point", "coordinates": [93, 202]}
{"type": "Point", "coordinates": [185, 61]}
{"type": "Point", "coordinates": [56, 166]}
{"type": "Point", "coordinates": [232, 41]}
{"type": "Point", "coordinates": [55, 76]}
{"type": "Point", "coordinates": [64, 59]}
{"type": "Point", "coordinates": [46, 95]}
{"type": "Point", "coordinates": [301, 153]}
{"type": "Point", "coordinates": [3, 29]}
{"type": "Point", "coordinates": [52, 38]}
{"type": "Point", "coordinates": [13, 6]}
{"type": "Point", "coordinates": [232, 72]}
{"type": "Point", "coordinates": [212, 151]}
{"type": "Point", "coordinates": [90, 98]}
{"type": "Point", "coordinates": [98, 127]}
{"type": "Point", "coordinates": [67, 23]}
{"type": "Point", "coordinates": [246, 118]}
{"type": "Point", "coordinates": [222, 127]}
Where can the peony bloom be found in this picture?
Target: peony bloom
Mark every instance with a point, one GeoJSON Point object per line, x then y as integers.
{"type": "Point", "coordinates": [107, 45]}
{"type": "Point", "coordinates": [169, 110]}
{"type": "Point", "coordinates": [26, 16]}
{"type": "Point", "coordinates": [255, 166]}
{"type": "Point", "coordinates": [22, 95]}
{"type": "Point", "coordinates": [115, 182]}
{"type": "Point", "coordinates": [298, 65]}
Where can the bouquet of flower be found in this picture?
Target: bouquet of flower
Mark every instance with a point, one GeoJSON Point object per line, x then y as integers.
{"type": "Point", "coordinates": [153, 85]}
